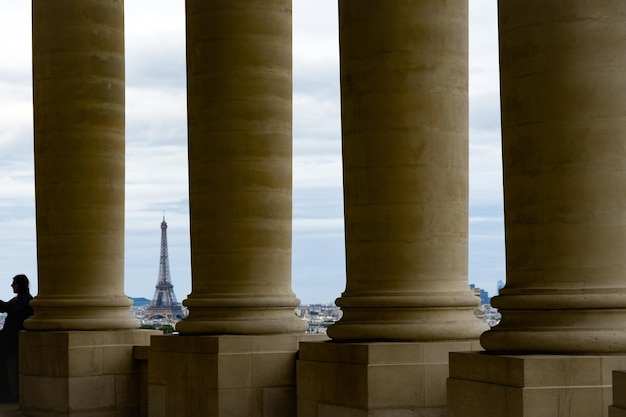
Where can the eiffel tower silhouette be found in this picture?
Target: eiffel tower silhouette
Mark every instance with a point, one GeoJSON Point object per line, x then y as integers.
{"type": "Point", "coordinates": [164, 305]}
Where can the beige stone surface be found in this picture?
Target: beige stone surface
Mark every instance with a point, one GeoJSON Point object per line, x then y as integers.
{"type": "Point", "coordinates": [436, 393]}
{"type": "Point", "coordinates": [131, 392]}
{"type": "Point", "coordinates": [78, 102]}
{"type": "Point", "coordinates": [619, 388]}
{"type": "Point", "coordinates": [562, 136]}
{"type": "Point", "coordinates": [239, 79]}
{"type": "Point", "coordinates": [81, 392]}
{"type": "Point", "coordinates": [223, 376]}
{"type": "Point", "coordinates": [44, 395]}
{"type": "Point", "coordinates": [374, 379]}
{"type": "Point", "coordinates": [405, 168]}
{"type": "Point", "coordinates": [274, 369]}
{"type": "Point", "coordinates": [157, 396]}
{"type": "Point", "coordinates": [279, 401]}
{"type": "Point", "coordinates": [530, 385]}
{"type": "Point", "coordinates": [80, 373]}
{"type": "Point", "coordinates": [617, 412]}
{"type": "Point", "coordinates": [335, 411]}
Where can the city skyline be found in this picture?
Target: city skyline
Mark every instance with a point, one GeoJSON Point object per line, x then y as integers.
{"type": "Point", "coordinates": [156, 153]}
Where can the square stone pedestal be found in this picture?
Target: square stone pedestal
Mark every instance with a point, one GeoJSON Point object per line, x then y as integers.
{"type": "Point", "coordinates": [391, 379]}
{"type": "Point", "coordinates": [80, 373]}
{"type": "Point", "coordinates": [223, 376]}
{"type": "Point", "coordinates": [482, 384]}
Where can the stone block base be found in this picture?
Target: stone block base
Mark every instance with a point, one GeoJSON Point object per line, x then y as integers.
{"type": "Point", "coordinates": [80, 373]}
{"type": "Point", "coordinates": [219, 376]}
{"type": "Point", "coordinates": [395, 379]}
{"type": "Point", "coordinates": [481, 384]}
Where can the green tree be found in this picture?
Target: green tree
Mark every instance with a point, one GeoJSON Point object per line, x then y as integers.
{"type": "Point", "coordinates": [167, 329]}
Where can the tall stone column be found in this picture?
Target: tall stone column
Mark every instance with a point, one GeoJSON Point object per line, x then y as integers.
{"type": "Point", "coordinates": [563, 309]}
{"type": "Point", "coordinates": [83, 365]}
{"type": "Point", "coordinates": [404, 114]}
{"type": "Point", "coordinates": [564, 158]}
{"type": "Point", "coordinates": [78, 76]}
{"type": "Point", "coordinates": [241, 336]}
{"type": "Point", "coordinates": [404, 95]}
{"type": "Point", "coordinates": [239, 81]}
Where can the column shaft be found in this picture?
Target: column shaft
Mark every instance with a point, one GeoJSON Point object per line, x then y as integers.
{"type": "Point", "coordinates": [404, 96]}
{"type": "Point", "coordinates": [240, 154]}
{"type": "Point", "coordinates": [78, 81]}
{"type": "Point", "coordinates": [564, 158]}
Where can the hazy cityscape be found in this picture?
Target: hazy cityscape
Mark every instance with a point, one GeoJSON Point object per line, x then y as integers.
{"type": "Point", "coordinates": [318, 316]}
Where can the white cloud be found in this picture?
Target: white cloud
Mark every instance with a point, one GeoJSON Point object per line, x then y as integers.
{"type": "Point", "coordinates": [315, 31]}
{"type": "Point", "coordinates": [319, 172]}
{"type": "Point", "coordinates": [316, 118]}
{"type": "Point", "coordinates": [318, 226]}
{"type": "Point", "coordinates": [484, 219]}
{"type": "Point", "coordinates": [15, 31]}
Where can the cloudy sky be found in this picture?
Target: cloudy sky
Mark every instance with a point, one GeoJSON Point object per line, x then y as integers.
{"type": "Point", "coordinates": [156, 154]}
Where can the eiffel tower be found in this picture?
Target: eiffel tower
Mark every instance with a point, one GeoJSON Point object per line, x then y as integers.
{"type": "Point", "coordinates": [164, 305]}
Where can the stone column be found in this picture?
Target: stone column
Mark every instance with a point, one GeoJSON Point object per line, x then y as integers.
{"type": "Point", "coordinates": [240, 154]}
{"type": "Point", "coordinates": [83, 366]}
{"type": "Point", "coordinates": [405, 167]}
{"type": "Point", "coordinates": [564, 304]}
{"type": "Point", "coordinates": [563, 127]}
{"type": "Point", "coordinates": [78, 76]}
{"type": "Point", "coordinates": [241, 337]}
{"type": "Point", "coordinates": [404, 95]}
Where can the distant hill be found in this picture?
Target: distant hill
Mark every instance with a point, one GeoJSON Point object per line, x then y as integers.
{"type": "Point", "coordinates": [140, 301]}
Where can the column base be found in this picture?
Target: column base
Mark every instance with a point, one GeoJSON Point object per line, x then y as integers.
{"type": "Point", "coordinates": [219, 376]}
{"type": "Point", "coordinates": [374, 379]}
{"type": "Point", "coordinates": [268, 320]}
{"type": "Point", "coordinates": [558, 321]}
{"type": "Point", "coordinates": [483, 384]}
{"type": "Point", "coordinates": [407, 325]}
{"type": "Point", "coordinates": [80, 374]}
{"type": "Point", "coordinates": [89, 314]}
{"type": "Point", "coordinates": [425, 318]}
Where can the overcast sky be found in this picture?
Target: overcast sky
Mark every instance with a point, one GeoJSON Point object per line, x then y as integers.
{"type": "Point", "coordinates": [156, 153]}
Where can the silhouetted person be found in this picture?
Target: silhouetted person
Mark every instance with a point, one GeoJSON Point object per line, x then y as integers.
{"type": "Point", "coordinates": [18, 309]}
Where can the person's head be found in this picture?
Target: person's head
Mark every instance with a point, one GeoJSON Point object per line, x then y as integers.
{"type": "Point", "coordinates": [20, 284]}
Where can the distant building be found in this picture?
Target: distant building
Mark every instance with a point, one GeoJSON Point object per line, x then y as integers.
{"type": "Point", "coordinates": [482, 294]}
{"type": "Point", "coordinates": [319, 316]}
